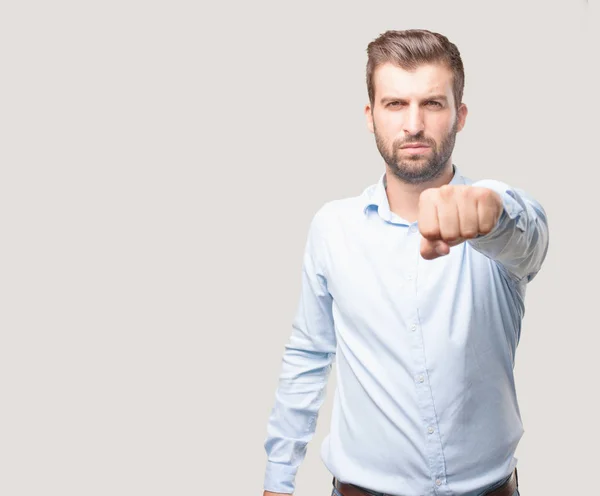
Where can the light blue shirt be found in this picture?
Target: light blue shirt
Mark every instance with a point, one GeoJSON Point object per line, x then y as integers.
{"type": "Point", "coordinates": [425, 402]}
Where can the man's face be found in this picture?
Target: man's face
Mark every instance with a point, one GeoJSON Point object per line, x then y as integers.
{"type": "Point", "coordinates": [415, 120]}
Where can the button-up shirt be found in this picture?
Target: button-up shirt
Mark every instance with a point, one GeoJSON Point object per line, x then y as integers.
{"type": "Point", "coordinates": [425, 402]}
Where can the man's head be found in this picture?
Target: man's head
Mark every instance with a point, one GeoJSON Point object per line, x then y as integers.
{"type": "Point", "coordinates": [415, 83]}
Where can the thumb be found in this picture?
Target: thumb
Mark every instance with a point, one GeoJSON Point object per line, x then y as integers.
{"type": "Point", "coordinates": [431, 250]}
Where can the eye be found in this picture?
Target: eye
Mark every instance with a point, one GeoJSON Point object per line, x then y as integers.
{"type": "Point", "coordinates": [434, 104]}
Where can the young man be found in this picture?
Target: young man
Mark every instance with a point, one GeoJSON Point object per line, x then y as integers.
{"type": "Point", "coordinates": [417, 288]}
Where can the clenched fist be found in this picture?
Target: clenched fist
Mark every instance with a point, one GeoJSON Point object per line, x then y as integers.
{"type": "Point", "coordinates": [452, 214]}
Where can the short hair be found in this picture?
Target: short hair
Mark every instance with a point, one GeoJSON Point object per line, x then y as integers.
{"type": "Point", "coordinates": [411, 48]}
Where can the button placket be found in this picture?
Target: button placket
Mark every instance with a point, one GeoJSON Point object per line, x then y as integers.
{"type": "Point", "coordinates": [423, 386]}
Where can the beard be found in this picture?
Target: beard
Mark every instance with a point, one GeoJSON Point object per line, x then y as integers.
{"type": "Point", "coordinates": [417, 168]}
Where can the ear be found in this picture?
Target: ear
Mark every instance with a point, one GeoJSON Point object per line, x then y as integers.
{"type": "Point", "coordinates": [369, 117]}
{"type": "Point", "coordinates": [462, 116]}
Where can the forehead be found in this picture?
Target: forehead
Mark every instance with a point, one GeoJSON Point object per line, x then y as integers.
{"type": "Point", "coordinates": [426, 79]}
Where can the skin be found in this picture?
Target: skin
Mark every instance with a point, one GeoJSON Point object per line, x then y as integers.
{"type": "Point", "coordinates": [418, 106]}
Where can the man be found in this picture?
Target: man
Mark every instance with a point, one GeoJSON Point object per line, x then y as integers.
{"type": "Point", "coordinates": [417, 288]}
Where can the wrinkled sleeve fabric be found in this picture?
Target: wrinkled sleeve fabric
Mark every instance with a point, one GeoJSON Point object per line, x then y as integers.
{"type": "Point", "coordinates": [519, 241]}
{"type": "Point", "coordinates": [306, 364]}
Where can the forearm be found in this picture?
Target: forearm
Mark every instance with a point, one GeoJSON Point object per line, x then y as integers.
{"type": "Point", "coordinates": [292, 423]}
{"type": "Point", "coordinates": [519, 241]}
{"type": "Point", "coordinates": [305, 368]}
{"type": "Point", "coordinates": [301, 390]}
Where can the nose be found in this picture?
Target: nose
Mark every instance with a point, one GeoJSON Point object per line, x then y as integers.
{"type": "Point", "coordinates": [413, 123]}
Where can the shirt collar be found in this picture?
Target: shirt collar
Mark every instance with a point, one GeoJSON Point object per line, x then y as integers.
{"type": "Point", "coordinates": [376, 196]}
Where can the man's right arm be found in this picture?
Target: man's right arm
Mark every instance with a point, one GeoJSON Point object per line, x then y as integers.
{"type": "Point", "coordinates": [305, 369]}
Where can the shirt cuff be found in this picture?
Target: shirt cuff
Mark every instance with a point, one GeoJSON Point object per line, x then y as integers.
{"type": "Point", "coordinates": [279, 478]}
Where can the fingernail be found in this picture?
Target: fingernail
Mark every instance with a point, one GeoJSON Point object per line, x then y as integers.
{"type": "Point", "coordinates": [439, 250]}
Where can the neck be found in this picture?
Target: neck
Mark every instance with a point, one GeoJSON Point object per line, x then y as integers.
{"type": "Point", "coordinates": [404, 197]}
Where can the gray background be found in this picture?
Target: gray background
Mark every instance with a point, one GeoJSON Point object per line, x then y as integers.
{"type": "Point", "coordinates": [161, 162]}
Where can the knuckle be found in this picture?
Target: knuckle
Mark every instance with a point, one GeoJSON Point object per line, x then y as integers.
{"type": "Point", "coordinates": [472, 191]}
{"type": "Point", "coordinates": [484, 194]}
{"type": "Point", "coordinates": [446, 191]}
{"type": "Point", "coordinates": [428, 195]}
{"type": "Point", "coordinates": [469, 193]}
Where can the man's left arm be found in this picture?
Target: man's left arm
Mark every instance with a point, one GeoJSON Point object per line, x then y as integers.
{"type": "Point", "coordinates": [519, 240]}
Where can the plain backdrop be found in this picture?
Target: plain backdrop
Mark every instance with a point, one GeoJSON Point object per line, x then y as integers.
{"type": "Point", "coordinates": [160, 164]}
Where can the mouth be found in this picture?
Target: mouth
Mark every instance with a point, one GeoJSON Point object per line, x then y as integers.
{"type": "Point", "coordinates": [415, 145]}
{"type": "Point", "coordinates": [415, 148]}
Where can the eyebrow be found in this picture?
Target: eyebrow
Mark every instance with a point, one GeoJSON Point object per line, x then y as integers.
{"type": "Point", "coordinates": [388, 99]}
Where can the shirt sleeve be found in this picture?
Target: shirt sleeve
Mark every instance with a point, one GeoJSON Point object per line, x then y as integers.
{"type": "Point", "coordinates": [305, 369]}
{"type": "Point", "coordinates": [519, 241]}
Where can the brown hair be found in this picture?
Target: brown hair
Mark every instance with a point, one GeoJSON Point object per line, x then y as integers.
{"type": "Point", "coordinates": [413, 47]}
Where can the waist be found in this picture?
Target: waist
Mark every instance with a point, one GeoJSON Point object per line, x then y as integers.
{"type": "Point", "coordinates": [404, 466]}
{"type": "Point", "coordinates": [507, 486]}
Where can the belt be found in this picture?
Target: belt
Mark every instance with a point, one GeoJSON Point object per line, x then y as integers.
{"type": "Point", "coordinates": [506, 489]}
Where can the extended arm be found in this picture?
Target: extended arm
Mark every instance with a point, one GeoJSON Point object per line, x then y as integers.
{"type": "Point", "coordinates": [519, 241]}
{"type": "Point", "coordinates": [501, 222]}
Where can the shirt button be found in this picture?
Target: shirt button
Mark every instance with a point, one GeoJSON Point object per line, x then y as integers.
{"type": "Point", "coordinates": [421, 378]}
{"type": "Point", "coordinates": [430, 430]}
{"type": "Point", "coordinates": [413, 328]}
{"type": "Point", "coordinates": [413, 229]}
{"type": "Point", "coordinates": [438, 482]}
